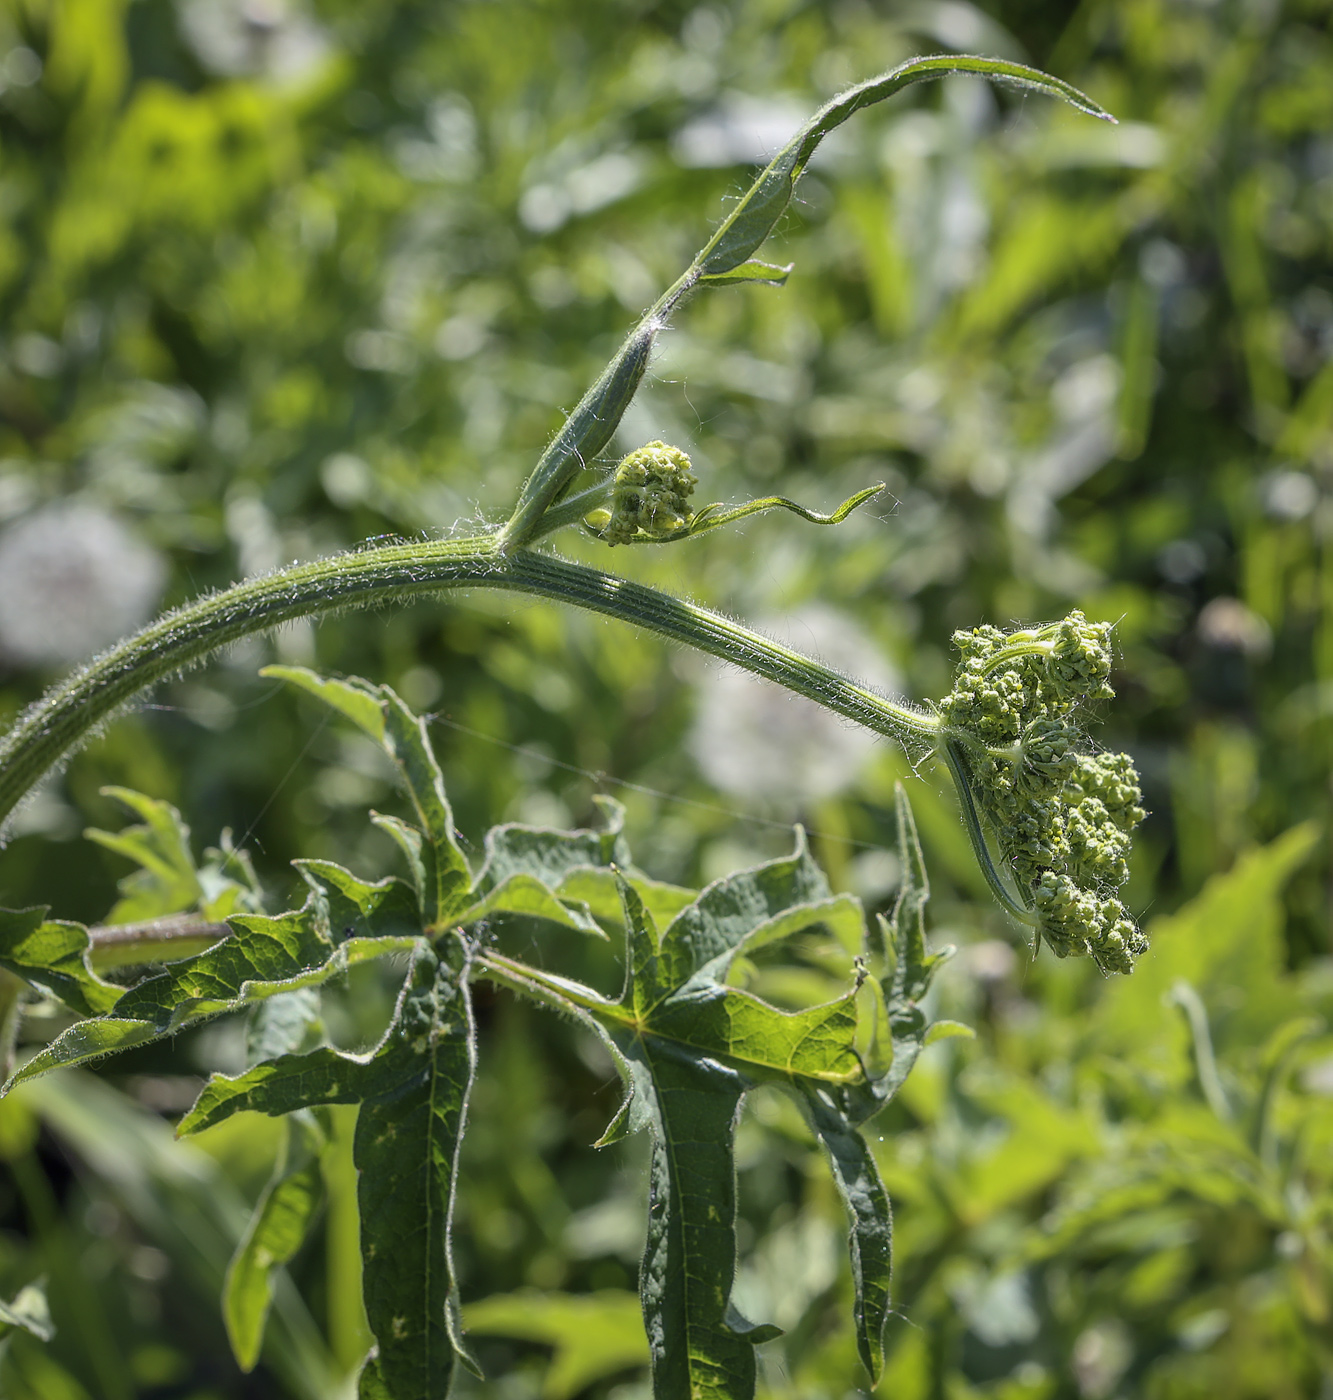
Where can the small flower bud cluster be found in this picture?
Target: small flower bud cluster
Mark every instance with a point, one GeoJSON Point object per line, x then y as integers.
{"type": "Point", "coordinates": [1062, 817]}
{"type": "Point", "coordinates": [651, 493]}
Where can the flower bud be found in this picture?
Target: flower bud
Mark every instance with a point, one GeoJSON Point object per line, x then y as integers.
{"type": "Point", "coordinates": [650, 494]}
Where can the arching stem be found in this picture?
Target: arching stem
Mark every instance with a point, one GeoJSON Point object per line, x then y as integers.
{"type": "Point", "coordinates": [49, 731]}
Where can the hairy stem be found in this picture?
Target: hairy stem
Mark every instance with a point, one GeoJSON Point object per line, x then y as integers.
{"type": "Point", "coordinates": [57, 724]}
{"type": "Point", "coordinates": [167, 939]}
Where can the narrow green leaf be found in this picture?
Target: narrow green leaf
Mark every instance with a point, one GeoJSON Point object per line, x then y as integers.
{"type": "Point", "coordinates": [53, 954]}
{"type": "Point", "coordinates": [948, 1030]}
{"type": "Point", "coordinates": [711, 517]}
{"type": "Point", "coordinates": [406, 1151]}
{"type": "Point", "coordinates": [761, 1040]}
{"type": "Point", "coordinates": [276, 1231]}
{"type": "Point", "coordinates": [89, 1040]}
{"type": "Point", "coordinates": [28, 1312]}
{"type": "Point", "coordinates": [752, 220]}
{"type": "Point", "coordinates": [644, 987]}
{"type": "Point", "coordinates": [171, 1003]}
{"type": "Point", "coordinates": [870, 1239]}
{"type": "Point", "coordinates": [445, 879]}
{"type": "Point", "coordinates": [449, 881]}
{"type": "Point", "coordinates": [772, 274]}
{"type": "Point", "coordinates": [595, 1335]}
{"type": "Point", "coordinates": [912, 968]}
{"type": "Point", "coordinates": [411, 843]}
{"type": "Point", "coordinates": [598, 892]}
{"type": "Point", "coordinates": [413, 1091]}
{"type": "Point", "coordinates": [697, 1342]}
{"type": "Point", "coordinates": [168, 880]}
{"type": "Point", "coordinates": [718, 516]}
{"type": "Point", "coordinates": [354, 698]}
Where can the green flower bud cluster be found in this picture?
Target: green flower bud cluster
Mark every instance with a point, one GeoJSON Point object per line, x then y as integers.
{"type": "Point", "coordinates": [1060, 815]}
{"type": "Point", "coordinates": [650, 494]}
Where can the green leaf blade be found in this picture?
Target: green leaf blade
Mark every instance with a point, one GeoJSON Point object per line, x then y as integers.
{"type": "Point", "coordinates": [54, 953]}
{"type": "Point", "coordinates": [870, 1238]}
{"type": "Point", "coordinates": [445, 880]}
{"type": "Point", "coordinates": [761, 1040]}
{"type": "Point", "coordinates": [731, 909]}
{"type": "Point", "coordinates": [277, 1229]}
{"type": "Point", "coordinates": [753, 219]}
{"type": "Point", "coordinates": [697, 1348]}
{"type": "Point", "coordinates": [406, 1151]}
{"type": "Point", "coordinates": [80, 1044]}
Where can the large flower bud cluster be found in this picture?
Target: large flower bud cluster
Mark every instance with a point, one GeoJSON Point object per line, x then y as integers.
{"type": "Point", "coordinates": [651, 493]}
{"type": "Point", "coordinates": [1060, 815]}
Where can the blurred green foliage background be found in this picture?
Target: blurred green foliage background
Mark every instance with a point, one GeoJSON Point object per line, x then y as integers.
{"type": "Point", "coordinates": [280, 277]}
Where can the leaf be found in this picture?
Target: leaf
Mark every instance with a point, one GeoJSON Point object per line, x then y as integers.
{"type": "Point", "coordinates": [751, 221]}
{"type": "Point", "coordinates": [870, 1239]}
{"type": "Point", "coordinates": [89, 1040]}
{"type": "Point", "coordinates": [711, 517]}
{"type": "Point", "coordinates": [565, 877]}
{"type": "Point", "coordinates": [282, 1025]}
{"type": "Point", "coordinates": [265, 957]}
{"type": "Point", "coordinates": [948, 1030]}
{"type": "Point", "coordinates": [525, 896]}
{"type": "Point", "coordinates": [53, 954]}
{"type": "Point", "coordinates": [694, 1046]}
{"type": "Point", "coordinates": [598, 892]}
{"type": "Point", "coordinates": [700, 1347]}
{"type": "Point", "coordinates": [276, 1231]}
{"type": "Point", "coordinates": [772, 274]}
{"type": "Point", "coordinates": [168, 880]}
{"type": "Point", "coordinates": [413, 1091]}
{"type": "Point", "coordinates": [912, 969]}
{"type": "Point", "coordinates": [28, 1312]}
{"type": "Point", "coordinates": [707, 934]}
{"type": "Point", "coordinates": [595, 1335]}
{"type": "Point", "coordinates": [370, 1384]}
{"type": "Point", "coordinates": [550, 856]}
{"type": "Point", "coordinates": [445, 878]}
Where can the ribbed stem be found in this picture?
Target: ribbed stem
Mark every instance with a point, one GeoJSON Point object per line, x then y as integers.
{"type": "Point", "coordinates": [51, 729]}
